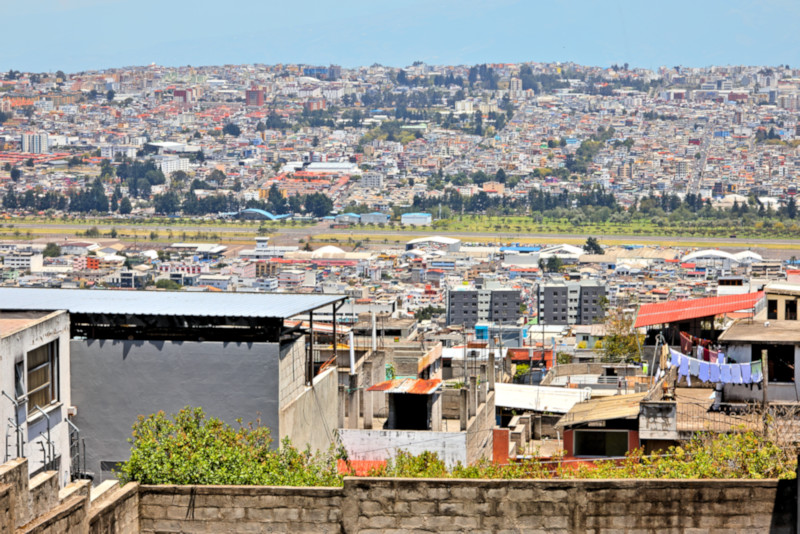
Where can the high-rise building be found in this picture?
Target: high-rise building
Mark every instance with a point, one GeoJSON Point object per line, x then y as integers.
{"type": "Point", "coordinates": [470, 306]}
{"type": "Point", "coordinates": [571, 303]}
{"type": "Point", "coordinates": [254, 97]}
{"type": "Point", "coordinates": [35, 143]}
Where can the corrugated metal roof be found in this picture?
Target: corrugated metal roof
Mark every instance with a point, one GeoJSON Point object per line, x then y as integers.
{"type": "Point", "coordinates": [603, 409]}
{"type": "Point", "coordinates": [682, 310]}
{"type": "Point", "coordinates": [538, 398]}
{"type": "Point", "coordinates": [414, 386]}
{"type": "Point", "coordinates": [276, 305]}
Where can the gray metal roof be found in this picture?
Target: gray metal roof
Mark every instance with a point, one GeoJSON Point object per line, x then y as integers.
{"type": "Point", "coordinates": [275, 305]}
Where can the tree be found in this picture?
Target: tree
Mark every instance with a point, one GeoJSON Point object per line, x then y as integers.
{"type": "Point", "coordinates": [125, 206]}
{"type": "Point", "coordinates": [15, 174]}
{"type": "Point", "coordinates": [232, 130]}
{"type": "Point", "coordinates": [51, 250]}
{"type": "Point", "coordinates": [110, 95]}
{"type": "Point", "coordinates": [592, 246]}
{"type": "Point", "coordinates": [191, 448]}
{"type": "Point", "coordinates": [552, 265]}
{"type": "Point", "coordinates": [500, 176]}
{"type": "Point", "coordinates": [621, 342]}
{"type": "Point", "coordinates": [166, 283]}
{"type": "Point", "coordinates": [318, 204]}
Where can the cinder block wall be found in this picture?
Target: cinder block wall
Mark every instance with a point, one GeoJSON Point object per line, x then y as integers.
{"type": "Point", "coordinates": [244, 509]}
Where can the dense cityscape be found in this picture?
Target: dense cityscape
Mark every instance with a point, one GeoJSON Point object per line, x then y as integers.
{"type": "Point", "coordinates": [543, 277]}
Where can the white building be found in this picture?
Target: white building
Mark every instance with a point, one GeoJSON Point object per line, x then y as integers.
{"type": "Point", "coordinates": [111, 151]}
{"type": "Point", "coordinates": [372, 180]}
{"type": "Point", "coordinates": [416, 219]}
{"type": "Point", "coordinates": [24, 261]}
{"type": "Point", "coordinates": [171, 163]}
{"type": "Point", "coordinates": [35, 143]}
{"type": "Point", "coordinates": [35, 378]}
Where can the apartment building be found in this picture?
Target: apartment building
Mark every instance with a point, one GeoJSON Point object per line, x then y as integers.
{"type": "Point", "coordinates": [470, 306]}
{"type": "Point", "coordinates": [570, 303]}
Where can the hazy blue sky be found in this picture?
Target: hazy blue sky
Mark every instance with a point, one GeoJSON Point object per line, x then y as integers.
{"type": "Point", "coordinates": [73, 35]}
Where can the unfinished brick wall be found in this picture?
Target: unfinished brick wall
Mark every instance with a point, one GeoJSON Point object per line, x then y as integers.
{"type": "Point", "coordinates": [15, 474]}
{"type": "Point", "coordinates": [202, 509]}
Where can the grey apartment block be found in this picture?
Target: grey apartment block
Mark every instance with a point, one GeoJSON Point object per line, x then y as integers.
{"type": "Point", "coordinates": [569, 303]}
{"type": "Point", "coordinates": [468, 307]}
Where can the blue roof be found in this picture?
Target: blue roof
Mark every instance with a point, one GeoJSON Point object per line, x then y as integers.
{"type": "Point", "coordinates": [417, 214]}
{"type": "Point", "coordinates": [356, 215]}
{"type": "Point", "coordinates": [266, 214]}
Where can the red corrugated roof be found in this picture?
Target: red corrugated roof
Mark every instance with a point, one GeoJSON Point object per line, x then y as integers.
{"type": "Point", "coordinates": [415, 386]}
{"type": "Point", "coordinates": [682, 310]}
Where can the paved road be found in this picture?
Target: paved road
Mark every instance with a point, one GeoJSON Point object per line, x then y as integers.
{"type": "Point", "coordinates": [324, 228]}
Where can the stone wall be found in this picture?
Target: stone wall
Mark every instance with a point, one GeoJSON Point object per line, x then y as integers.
{"type": "Point", "coordinates": [6, 508]}
{"type": "Point", "coordinates": [395, 506]}
{"type": "Point", "coordinates": [15, 474]}
{"type": "Point", "coordinates": [566, 506]}
{"type": "Point", "coordinates": [117, 512]}
{"type": "Point", "coordinates": [245, 509]}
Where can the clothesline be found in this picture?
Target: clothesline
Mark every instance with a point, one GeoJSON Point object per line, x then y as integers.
{"type": "Point", "coordinates": [717, 371]}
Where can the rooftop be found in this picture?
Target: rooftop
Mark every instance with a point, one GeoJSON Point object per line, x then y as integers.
{"type": "Point", "coordinates": [88, 301]}
{"type": "Point", "coordinates": [751, 331]}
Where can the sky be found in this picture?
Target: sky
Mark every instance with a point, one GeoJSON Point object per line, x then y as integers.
{"type": "Point", "coordinates": [75, 35]}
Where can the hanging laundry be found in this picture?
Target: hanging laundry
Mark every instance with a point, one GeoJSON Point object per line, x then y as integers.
{"type": "Point", "coordinates": [756, 372]}
{"type": "Point", "coordinates": [713, 372]}
{"type": "Point", "coordinates": [683, 366]}
{"type": "Point", "coordinates": [712, 355]}
{"type": "Point", "coordinates": [746, 376]}
{"type": "Point", "coordinates": [725, 373]}
{"type": "Point", "coordinates": [686, 343]}
{"type": "Point", "coordinates": [675, 358]}
{"type": "Point", "coordinates": [720, 358]}
{"type": "Point", "coordinates": [704, 371]}
{"type": "Point", "coordinates": [694, 367]}
{"type": "Point", "coordinates": [736, 373]}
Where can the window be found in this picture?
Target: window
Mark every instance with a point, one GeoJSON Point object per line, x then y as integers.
{"type": "Point", "coordinates": [42, 376]}
{"type": "Point", "coordinates": [790, 310]}
{"type": "Point", "coordinates": [772, 309]}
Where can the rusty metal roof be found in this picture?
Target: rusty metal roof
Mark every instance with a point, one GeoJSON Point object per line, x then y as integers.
{"type": "Point", "coordinates": [682, 310]}
{"type": "Point", "coordinates": [414, 386]}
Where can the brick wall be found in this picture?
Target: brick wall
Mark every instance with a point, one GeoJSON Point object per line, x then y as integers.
{"type": "Point", "coordinates": [116, 513]}
{"type": "Point", "coordinates": [202, 509]}
{"type": "Point", "coordinates": [15, 474]}
{"type": "Point", "coordinates": [6, 508]}
{"type": "Point", "coordinates": [565, 506]}
{"type": "Point", "coordinates": [292, 370]}
{"type": "Point", "coordinates": [378, 505]}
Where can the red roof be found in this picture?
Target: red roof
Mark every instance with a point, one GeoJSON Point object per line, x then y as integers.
{"type": "Point", "coordinates": [414, 386]}
{"type": "Point", "coordinates": [682, 310]}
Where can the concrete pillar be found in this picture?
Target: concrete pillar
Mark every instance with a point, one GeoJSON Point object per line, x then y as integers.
{"type": "Point", "coordinates": [482, 386]}
{"type": "Point", "coordinates": [473, 396]}
{"type": "Point", "coordinates": [463, 408]}
{"type": "Point", "coordinates": [342, 405]}
{"type": "Point", "coordinates": [490, 378]}
{"type": "Point", "coordinates": [537, 427]}
{"type": "Point", "coordinates": [368, 395]}
{"type": "Point", "coordinates": [353, 396]}
{"type": "Point", "coordinates": [436, 412]}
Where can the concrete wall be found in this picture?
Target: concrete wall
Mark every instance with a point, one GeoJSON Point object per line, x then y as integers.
{"type": "Point", "coordinates": [568, 506]}
{"type": "Point", "coordinates": [14, 348]}
{"type": "Point", "coordinates": [378, 505]}
{"type": "Point", "coordinates": [311, 418]}
{"type": "Point", "coordinates": [239, 509]}
{"type": "Point", "coordinates": [115, 381]}
{"type": "Point", "coordinates": [479, 431]}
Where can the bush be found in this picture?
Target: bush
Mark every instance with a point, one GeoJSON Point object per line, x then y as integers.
{"type": "Point", "coordinates": [190, 448]}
